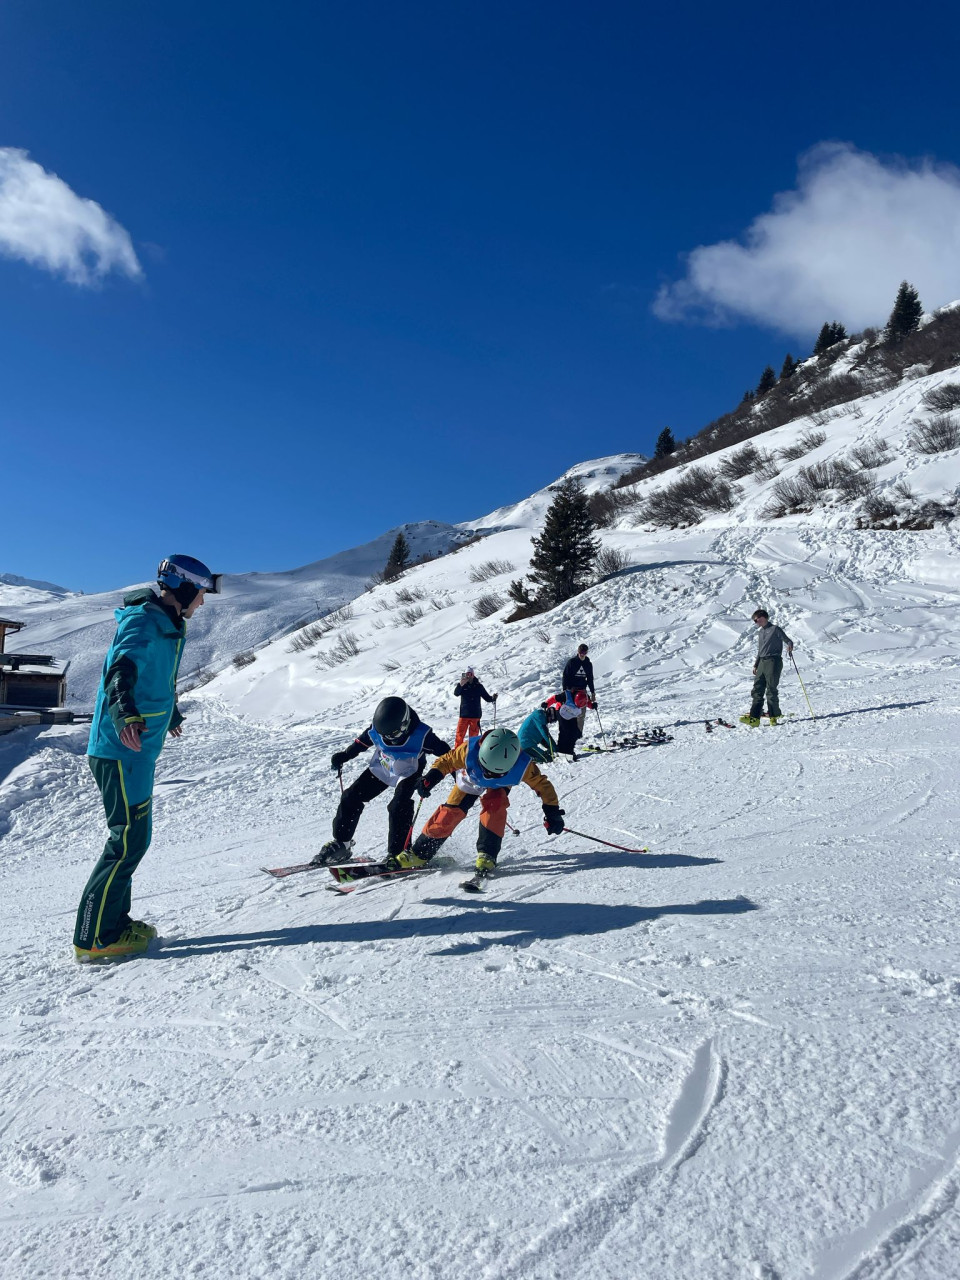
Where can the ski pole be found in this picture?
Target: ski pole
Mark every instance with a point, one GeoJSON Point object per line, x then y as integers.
{"type": "Point", "coordinates": [515, 830]}
{"type": "Point", "coordinates": [609, 843]}
{"type": "Point", "coordinates": [340, 779]}
{"type": "Point", "coordinates": [797, 669]}
{"type": "Point", "coordinates": [600, 723]}
{"type": "Point", "coordinates": [406, 843]}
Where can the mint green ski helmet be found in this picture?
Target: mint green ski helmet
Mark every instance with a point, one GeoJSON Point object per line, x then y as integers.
{"type": "Point", "coordinates": [499, 751]}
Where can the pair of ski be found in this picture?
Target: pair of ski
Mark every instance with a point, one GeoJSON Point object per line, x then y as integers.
{"type": "Point", "coordinates": [351, 875]}
{"type": "Point", "coordinates": [629, 744]}
{"type": "Point", "coordinates": [710, 725]}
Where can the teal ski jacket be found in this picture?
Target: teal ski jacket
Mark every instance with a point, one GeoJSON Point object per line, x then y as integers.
{"type": "Point", "coordinates": [139, 680]}
{"type": "Point", "coordinates": [535, 737]}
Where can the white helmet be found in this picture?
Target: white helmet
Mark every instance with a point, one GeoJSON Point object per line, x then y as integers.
{"type": "Point", "coordinates": [498, 752]}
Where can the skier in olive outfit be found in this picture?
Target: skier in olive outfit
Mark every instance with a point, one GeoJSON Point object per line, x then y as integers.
{"type": "Point", "coordinates": [469, 690]}
{"type": "Point", "coordinates": [487, 767]}
{"type": "Point", "coordinates": [767, 669]}
{"type": "Point", "coordinates": [402, 743]}
{"type": "Point", "coordinates": [136, 708]}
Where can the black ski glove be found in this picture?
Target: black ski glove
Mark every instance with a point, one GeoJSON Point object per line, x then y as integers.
{"type": "Point", "coordinates": [428, 782]}
{"type": "Point", "coordinates": [553, 819]}
{"type": "Point", "coordinates": [339, 759]}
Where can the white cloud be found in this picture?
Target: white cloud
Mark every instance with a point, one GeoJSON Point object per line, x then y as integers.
{"type": "Point", "coordinates": [46, 224]}
{"type": "Point", "coordinates": [836, 248]}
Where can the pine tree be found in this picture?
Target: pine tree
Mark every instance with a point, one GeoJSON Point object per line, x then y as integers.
{"type": "Point", "coordinates": [398, 559]}
{"type": "Point", "coordinates": [837, 332]}
{"type": "Point", "coordinates": [564, 554]}
{"type": "Point", "coordinates": [906, 313]}
{"type": "Point", "coordinates": [768, 380]}
{"type": "Point", "coordinates": [824, 339]}
{"type": "Point", "coordinates": [665, 444]}
{"type": "Point", "coordinates": [748, 399]}
{"type": "Point", "coordinates": [789, 367]}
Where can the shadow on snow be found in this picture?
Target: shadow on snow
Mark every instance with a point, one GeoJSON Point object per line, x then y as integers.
{"type": "Point", "coordinates": [518, 924]}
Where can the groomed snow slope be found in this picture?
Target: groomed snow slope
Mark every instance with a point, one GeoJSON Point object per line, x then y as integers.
{"type": "Point", "coordinates": [733, 1056]}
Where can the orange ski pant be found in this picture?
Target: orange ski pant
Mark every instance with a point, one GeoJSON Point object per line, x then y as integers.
{"type": "Point", "coordinates": [466, 728]}
{"type": "Point", "coordinates": [493, 817]}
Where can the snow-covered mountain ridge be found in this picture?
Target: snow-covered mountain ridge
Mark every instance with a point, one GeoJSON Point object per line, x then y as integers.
{"type": "Point", "coordinates": [254, 607]}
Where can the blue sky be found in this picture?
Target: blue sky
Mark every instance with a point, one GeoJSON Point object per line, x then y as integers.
{"type": "Point", "coordinates": [373, 263]}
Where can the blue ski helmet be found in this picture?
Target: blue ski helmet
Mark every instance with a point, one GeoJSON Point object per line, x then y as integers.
{"type": "Point", "coordinates": [186, 578]}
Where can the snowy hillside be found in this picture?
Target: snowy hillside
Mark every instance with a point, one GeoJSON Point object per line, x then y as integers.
{"type": "Point", "coordinates": [253, 608]}
{"type": "Point", "coordinates": [732, 1056]}
{"type": "Point", "coordinates": [529, 512]}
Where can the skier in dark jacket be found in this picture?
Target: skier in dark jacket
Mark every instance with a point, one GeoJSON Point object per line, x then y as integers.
{"type": "Point", "coordinates": [136, 709]}
{"type": "Point", "coordinates": [470, 691]}
{"type": "Point", "coordinates": [402, 743]}
{"type": "Point", "coordinates": [578, 673]}
{"type": "Point", "coordinates": [577, 678]}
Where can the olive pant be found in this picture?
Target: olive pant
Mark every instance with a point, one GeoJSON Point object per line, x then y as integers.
{"type": "Point", "coordinates": [126, 788]}
{"type": "Point", "coordinates": [766, 681]}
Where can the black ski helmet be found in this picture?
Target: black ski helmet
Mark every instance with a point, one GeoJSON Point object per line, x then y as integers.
{"type": "Point", "coordinates": [392, 720]}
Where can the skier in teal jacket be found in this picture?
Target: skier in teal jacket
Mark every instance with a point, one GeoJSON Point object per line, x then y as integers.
{"type": "Point", "coordinates": [136, 708]}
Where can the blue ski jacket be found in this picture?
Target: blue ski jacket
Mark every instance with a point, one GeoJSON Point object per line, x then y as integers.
{"type": "Point", "coordinates": [139, 679]}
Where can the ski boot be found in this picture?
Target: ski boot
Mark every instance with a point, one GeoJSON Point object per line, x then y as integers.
{"type": "Point", "coordinates": [485, 868]}
{"type": "Point", "coordinates": [775, 719]}
{"type": "Point", "coordinates": [408, 860]}
{"type": "Point", "coordinates": [333, 853]}
{"type": "Point", "coordinates": [752, 721]}
{"type": "Point", "coordinates": [130, 943]}
{"type": "Point", "coordinates": [145, 930]}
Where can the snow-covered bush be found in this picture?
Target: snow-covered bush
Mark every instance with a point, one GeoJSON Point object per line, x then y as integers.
{"type": "Point", "coordinates": [745, 462]}
{"type": "Point", "coordinates": [489, 569]}
{"type": "Point", "coordinates": [487, 605]}
{"type": "Point", "coordinates": [805, 443]}
{"type": "Point", "coordinates": [347, 646]}
{"type": "Point", "coordinates": [609, 505]}
{"type": "Point", "coordinates": [944, 398]}
{"type": "Point", "coordinates": [411, 614]}
{"type": "Point", "coordinates": [686, 501]}
{"type": "Point", "coordinates": [610, 560]}
{"type": "Point", "coordinates": [241, 660]}
{"type": "Point", "coordinates": [872, 453]}
{"type": "Point", "coordinates": [936, 435]}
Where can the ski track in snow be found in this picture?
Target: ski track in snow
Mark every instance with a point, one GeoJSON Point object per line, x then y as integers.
{"type": "Point", "coordinates": [734, 1056]}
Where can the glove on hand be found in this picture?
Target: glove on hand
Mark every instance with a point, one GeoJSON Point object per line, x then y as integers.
{"type": "Point", "coordinates": [553, 819]}
{"type": "Point", "coordinates": [428, 782]}
{"type": "Point", "coordinates": [338, 760]}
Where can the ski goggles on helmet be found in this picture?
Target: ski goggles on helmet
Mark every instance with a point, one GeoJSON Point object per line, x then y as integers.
{"type": "Point", "coordinates": [174, 573]}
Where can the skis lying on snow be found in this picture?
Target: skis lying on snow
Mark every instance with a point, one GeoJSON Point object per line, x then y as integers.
{"type": "Point", "coordinates": [711, 724]}
{"type": "Point", "coordinates": [652, 738]}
